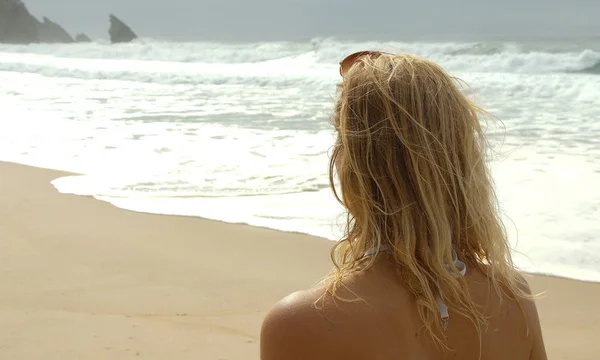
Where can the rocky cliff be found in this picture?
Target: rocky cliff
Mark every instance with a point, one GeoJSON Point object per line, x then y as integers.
{"type": "Point", "coordinates": [119, 32]}
{"type": "Point", "coordinates": [51, 32]}
{"type": "Point", "coordinates": [17, 25]}
{"type": "Point", "coordinates": [82, 38]}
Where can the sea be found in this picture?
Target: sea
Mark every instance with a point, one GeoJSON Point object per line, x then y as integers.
{"type": "Point", "coordinates": [240, 132]}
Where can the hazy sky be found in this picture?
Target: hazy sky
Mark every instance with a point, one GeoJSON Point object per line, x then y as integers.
{"type": "Point", "coordinates": [302, 19]}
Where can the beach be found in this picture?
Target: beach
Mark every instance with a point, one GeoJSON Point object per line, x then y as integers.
{"type": "Point", "coordinates": [82, 279]}
{"type": "Point", "coordinates": [226, 131]}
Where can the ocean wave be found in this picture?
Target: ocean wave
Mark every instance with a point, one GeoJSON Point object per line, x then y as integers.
{"type": "Point", "coordinates": [155, 50]}
{"type": "Point", "coordinates": [299, 72]}
{"type": "Point", "coordinates": [477, 56]}
{"type": "Point", "coordinates": [259, 74]}
{"type": "Point", "coordinates": [594, 69]}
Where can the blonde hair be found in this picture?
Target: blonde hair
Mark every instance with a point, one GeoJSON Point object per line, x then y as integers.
{"type": "Point", "coordinates": [410, 159]}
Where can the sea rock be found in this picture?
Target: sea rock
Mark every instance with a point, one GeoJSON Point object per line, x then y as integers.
{"type": "Point", "coordinates": [17, 25]}
{"type": "Point", "coordinates": [51, 32]}
{"type": "Point", "coordinates": [82, 38]}
{"type": "Point", "coordinates": [119, 32]}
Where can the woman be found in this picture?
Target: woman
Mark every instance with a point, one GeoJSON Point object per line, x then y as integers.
{"type": "Point", "coordinates": [424, 270]}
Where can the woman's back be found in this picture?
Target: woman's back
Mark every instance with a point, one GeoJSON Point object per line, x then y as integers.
{"type": "Point", "coordinates": [410, 157]}
{"type": "Point", "coordinates": [386, 324]}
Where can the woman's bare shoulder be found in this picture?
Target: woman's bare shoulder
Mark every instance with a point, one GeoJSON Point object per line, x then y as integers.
{"type": "Point", "coordinates": [529, 310]}
{"type": "Point", "coordinates": [538, 348]}
{"type": "Point", "coordinates": [298, 307]}
{"type": "Point", "coordinates": [313, 324]}
{"type": "Point", "coordinates": [296, 329]}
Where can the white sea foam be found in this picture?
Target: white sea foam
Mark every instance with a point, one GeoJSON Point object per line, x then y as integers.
{"type": "Point", "coordinates": [240, 132]}
{"type": "Point", "coordinates": [266, 64]}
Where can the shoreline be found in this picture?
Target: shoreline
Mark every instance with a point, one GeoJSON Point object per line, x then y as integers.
{"type": "Point", "coordinates": [125, 284]}
{"type": "Point", "coordinates": [63, 173]}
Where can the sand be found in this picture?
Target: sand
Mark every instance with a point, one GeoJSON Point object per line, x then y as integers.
{"type": "Point", "coordinates": [81, 279]}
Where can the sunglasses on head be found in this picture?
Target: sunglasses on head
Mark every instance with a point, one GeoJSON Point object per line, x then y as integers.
{"type": "Point", "coordinates": [347, 63]}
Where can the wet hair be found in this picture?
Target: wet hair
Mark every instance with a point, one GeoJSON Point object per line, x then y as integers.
{"type": "Point", "coordinates": [410, 158]}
